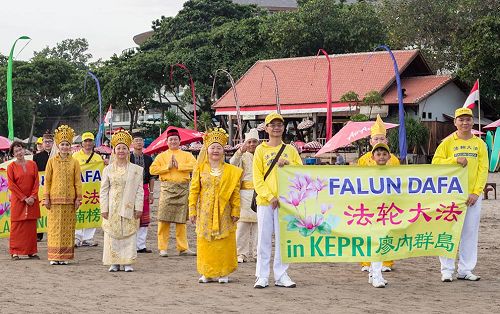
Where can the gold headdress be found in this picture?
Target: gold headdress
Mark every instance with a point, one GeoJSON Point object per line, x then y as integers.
{"type": "Point", "coordinates": [64, 133]}
{"type": "Point", "coordinates": [215, 135]}
{"type": "Point", "coordinates": [121, 137]}
{"type": "Point", "coordinates": [379, 127]}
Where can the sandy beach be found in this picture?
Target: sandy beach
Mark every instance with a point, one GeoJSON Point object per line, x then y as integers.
{"type": "Point", "coordinates": [169, 284]}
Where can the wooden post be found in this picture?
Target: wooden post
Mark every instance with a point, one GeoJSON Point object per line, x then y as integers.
{"type": "Point", "coordinates": [230, 129]}
{"type": "Point", "coordinates": [315, 128]}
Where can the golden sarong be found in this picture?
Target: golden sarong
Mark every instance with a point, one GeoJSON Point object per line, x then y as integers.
{"type": "Point", "coordinates": [173, 203]}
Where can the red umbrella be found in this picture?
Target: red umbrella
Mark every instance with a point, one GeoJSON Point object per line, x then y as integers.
{"type": "Point", "coordinates": [103, 150]}
{"type": "Point", "coordinates": [351, 132]}
{"type": "Point", "coordinates": [160, 144]}
{"type": "Point", "coordinates": [4, 143]}
{"type": "Point", "coordinates": [492, 125]}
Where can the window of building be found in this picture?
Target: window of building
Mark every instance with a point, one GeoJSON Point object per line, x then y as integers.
{"type": "Point", "coordinates": [423, 114]}
{"type": "Point", "coordinates": [429, 115]}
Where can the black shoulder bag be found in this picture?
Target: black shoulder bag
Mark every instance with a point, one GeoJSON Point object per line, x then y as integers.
{"type": "Point", "coordinates": [253, 206]}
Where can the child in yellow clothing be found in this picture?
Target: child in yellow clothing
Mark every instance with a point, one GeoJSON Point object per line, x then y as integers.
{"type": "Point", "coordinates": [380, 155]}
{"type": "Point", "coordinates": [378, 135]}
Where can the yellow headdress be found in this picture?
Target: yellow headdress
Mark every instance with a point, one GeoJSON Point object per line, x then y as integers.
{"type": "Point", "coordinates": [215, 135]}
{"type": "Point", "coordinates": [121, 137]}
{"type": "Point", "coordinates": [64, 133]}
{"type": "Point", "coordinates": [378, 128]}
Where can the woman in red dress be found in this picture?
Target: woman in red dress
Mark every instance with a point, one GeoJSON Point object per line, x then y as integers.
{"type": "Point", "coordinates": [25, 208]}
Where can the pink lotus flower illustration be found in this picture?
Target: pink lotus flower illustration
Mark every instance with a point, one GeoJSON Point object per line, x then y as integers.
{"type": "Point", "coordinates": [296, 197]}
{"type": "Point", "coordinates": [5, 209]}
{"type": "Point", "coordinates": [3, 184]}
{"type": "Point", "coordinates": [303, 187]}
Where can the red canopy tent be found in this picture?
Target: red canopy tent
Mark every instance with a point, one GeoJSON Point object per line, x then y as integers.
{"type": "Point", "coordinates": [160, 144]}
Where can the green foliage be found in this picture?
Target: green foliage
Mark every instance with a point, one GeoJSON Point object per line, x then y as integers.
{"type": "Point", "coordinates": [71, 50]}
{"type": "Point", "coordinates": [480, 57]}
{"type": "Point", "coordinates": [417, 134]}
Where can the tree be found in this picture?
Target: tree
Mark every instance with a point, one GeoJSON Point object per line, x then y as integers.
{"type": "Point", "coordinates": [417, 135]}
{"type": "Point", "coordinates": [335, 27]}
{"type": "Point", "coordinates": [71, 50]}
{"type": "Point", "coordinates": [127, 84]}
{"type": "Point", "coordinates": [433, 26]}
{"type": "Point", "coordinates": [373, 98]}
{"type": "Point", "coordinates": [351, 98]}
{"type": "Point", "coordinates": [480, 57]}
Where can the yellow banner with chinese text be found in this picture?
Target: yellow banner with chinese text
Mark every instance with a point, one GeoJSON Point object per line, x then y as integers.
{"type": "Point", "coordinates": [88, 214]}
{"type": "Point", "coordinates": [355, 214]}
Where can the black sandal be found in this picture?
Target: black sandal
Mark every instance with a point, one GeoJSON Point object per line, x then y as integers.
{"type": "Point", "coordinates": [33, 256]}
{"type": "Point", "coordinates": [15, 257]}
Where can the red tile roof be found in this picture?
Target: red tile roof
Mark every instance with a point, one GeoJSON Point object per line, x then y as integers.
{"type": "Point", "coordinates": [417, 88]}
{"type": "Point", "coordinates": [303, 80]}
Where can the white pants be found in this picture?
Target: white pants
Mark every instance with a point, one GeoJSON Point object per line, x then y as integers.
{"type": "Point", "coordinates": [467, 251]}
{"type": "Point", "coordinates": [267, 224]}
{"type": "Point", "coordinates": [85, 234]}
{"type": "Point", "coordinates": [246, 239]}
{"type": "Point", "coordinates": [142, 234]}
{"type": "Point", "coordinates": [376, 270]}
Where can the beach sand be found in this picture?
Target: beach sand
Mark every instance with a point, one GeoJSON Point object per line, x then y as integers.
{"type": "Point", "coordinates": [170, 284]}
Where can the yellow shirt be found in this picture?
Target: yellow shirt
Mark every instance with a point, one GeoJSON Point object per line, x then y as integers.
{"type": "Point", "coordinates": [63, 183]}
{"type": "Point", "coordinates": [185, 160]}
{"type": "Point", "coordinates": [366, 160]}
{"type": "Point", "coordinates": [263, 158]}
{"type": "Point", "coordinates": [82, 158]}
{"type": "Point", "coordinates": [474, 149]}
{"type": "Point", "coordinates": [214, 200]}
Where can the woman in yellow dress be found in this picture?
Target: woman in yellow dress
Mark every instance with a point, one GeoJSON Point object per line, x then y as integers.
{"type": "Point", "coordinates": [62, 197]}
{"type": "Point", "coordinates": [121, 198]}
{"type": "Point", "coordinates": [214, 206]}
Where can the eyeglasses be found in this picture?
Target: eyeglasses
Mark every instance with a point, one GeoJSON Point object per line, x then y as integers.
{"type": "Point", "coordinates": [275, 125]}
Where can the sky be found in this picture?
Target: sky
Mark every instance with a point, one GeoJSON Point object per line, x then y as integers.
{"type": "Point", "coordinates": [108, 25]}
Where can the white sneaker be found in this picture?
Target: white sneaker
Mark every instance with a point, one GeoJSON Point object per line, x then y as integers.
{"type": "Point", "coordinates": [54, 263]}
{"type": "Point", "coordinates": [128, 268]}
{"type": "Point", "coordinates": [114, 268]}
{"type": "Point", "coordinates": [386, 269]}
{"type": "Point", "coordinates": [370, 279]}
{"type": "Point", "coordinates": [261, 283]}
{"type": "Point", "coordinates": [470, 277]}
{"type": "Point", "coordinates": [378, 282]}
{"type": "Point", "coordinates": [285, 281]}
{"type": "Point", "coordinates": [163, 253]}
{"type": "Point", "coordinates": [241, 259]}
{"type": "Point", "coordinates": [204, 279]}
{"type": "Point", "coordinates": [446, 278]}
{"type": "Point", "coordinates": [365, 268]}
{"type": "Point", "coordinates": [224, 279]}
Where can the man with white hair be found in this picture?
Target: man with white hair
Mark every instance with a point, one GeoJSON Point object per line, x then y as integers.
{"type": "Point", "coordinates": [246, 232]}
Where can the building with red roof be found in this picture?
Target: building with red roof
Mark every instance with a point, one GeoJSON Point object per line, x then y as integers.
{"type": "Point", "coordinates": [302, 86]}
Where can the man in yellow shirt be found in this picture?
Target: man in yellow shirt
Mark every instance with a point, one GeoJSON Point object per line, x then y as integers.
{"type": "Point", "coordinates": [378, 136]}
{"type": "Point", "coordinates": [174, 167]}
{"type": "Point", "coordinates": [467, 150]}
{"type": "Point", "coordinates": [268, 203]}
{"type": "Point", "coordinates": [86, 155]}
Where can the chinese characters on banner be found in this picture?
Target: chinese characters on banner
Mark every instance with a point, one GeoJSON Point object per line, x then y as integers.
{"type": "Point", "coordinates": [354, 214]}
{"type": "Point", "coordinates": [87, 216]}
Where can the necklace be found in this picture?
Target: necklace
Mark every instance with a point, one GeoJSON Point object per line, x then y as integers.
{"type": "Point", "coordinates": [215, 171]}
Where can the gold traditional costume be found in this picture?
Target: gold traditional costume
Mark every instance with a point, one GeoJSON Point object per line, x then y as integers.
{"type": "Point", "coordinates": [214, 197]}
{"type": "Point", "coordinates": [63, 187]}
{"type": "Point", "coordinates": [378, 128]}
{"type": "Point", "coordinates": [121, 195]}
